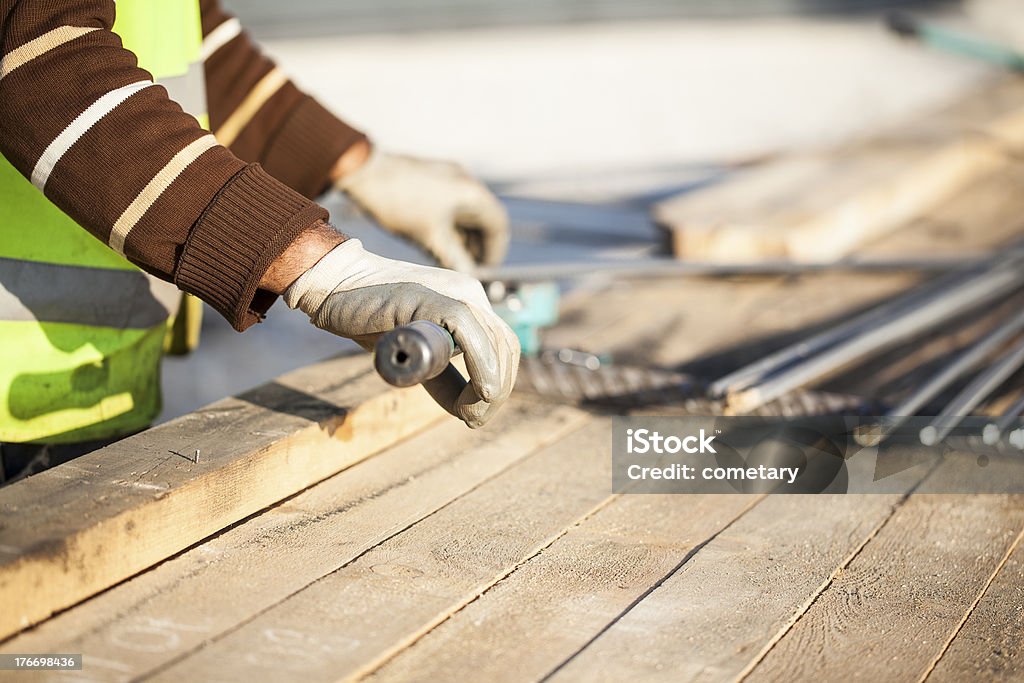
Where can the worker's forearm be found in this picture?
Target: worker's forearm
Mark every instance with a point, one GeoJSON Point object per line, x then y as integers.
{"type": "Point", "coordinates": [89, 129]}
{"type": "Point", "coordinates": [262, 116]}
{"type": "Point", "coordinates": [307, 249]}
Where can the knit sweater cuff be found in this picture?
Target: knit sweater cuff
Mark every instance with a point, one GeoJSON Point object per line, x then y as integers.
{"type": "Point", "coordinates": [307, 146]}
{"type": "Point", "coordinates": [247, 226]}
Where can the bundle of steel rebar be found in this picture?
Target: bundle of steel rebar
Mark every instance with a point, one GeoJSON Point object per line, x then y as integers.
{"type": "Point", "coordinates": [937, 305]}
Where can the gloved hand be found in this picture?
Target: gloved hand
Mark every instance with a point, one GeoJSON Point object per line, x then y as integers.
{"type": "Point", "coordinates": [434, 204]}
{"type": "Point", "coordinates": [360, 295]}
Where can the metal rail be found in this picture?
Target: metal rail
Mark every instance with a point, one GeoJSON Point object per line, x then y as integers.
{"type": "Point", "coordinates": [932, 312]}
{"type": "Point", "coordinates": [668, 267]}
{"type": "Point", "coordinates": [749, 375]}
{"type": "Point", "coordinates": [873, 435]}
{"type": "Point", "coordinates": [993, 431]}
{"type": "Point", "coordinates": [973, 394]}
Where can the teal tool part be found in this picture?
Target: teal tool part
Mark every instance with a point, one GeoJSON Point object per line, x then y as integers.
{"type": "Point", "coordinates": [956, 42]}
{"type": "Point", "coordinates": [528, 308]}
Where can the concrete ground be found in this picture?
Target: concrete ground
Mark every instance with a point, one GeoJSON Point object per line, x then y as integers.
{"type": "Point", "coordinates": [603, 116]}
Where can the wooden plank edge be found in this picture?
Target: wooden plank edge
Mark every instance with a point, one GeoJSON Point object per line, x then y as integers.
{"type": "Point", "coordinates": [871, 212]}
{"type": "Point", "coordinates": [103, 545]}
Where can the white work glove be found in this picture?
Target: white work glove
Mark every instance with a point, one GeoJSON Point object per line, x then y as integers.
{"type": "Point", "coordinates": [434, 204]}
{"type": "Point", "coordinates": [359, 295]}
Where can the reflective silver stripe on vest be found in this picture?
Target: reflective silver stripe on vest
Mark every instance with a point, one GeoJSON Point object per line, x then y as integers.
{"type": "Point", "coordinates": [47, 292]}
{"type": "Point", "coordinates": [189, 89]}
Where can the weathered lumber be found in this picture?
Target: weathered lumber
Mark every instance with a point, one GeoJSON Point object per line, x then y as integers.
{"type": "Point", "coordinates": [890, 613]}
{"type": "Point", "coordinates": [162, 615]}
{"type": "Point", "coordinates": [353, 619]}
{"type": "Point", "coordinates": [79, 528]}
{"type": "Point", "coordinates": [822, 206]}
{"type": "Point", "coordinates": [549, 608]}
{"type": "Point", "coordinates": [713, 615]}
{"type": "Point", "coordinates": [989, 647]}
{"type": "Point", "coordinates": [441, 518]}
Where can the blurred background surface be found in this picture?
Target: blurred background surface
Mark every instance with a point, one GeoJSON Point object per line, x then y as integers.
{"type": "Point", "coordinates": [579, 113]}
{"type": "Point", "coordinates": [269, 18]}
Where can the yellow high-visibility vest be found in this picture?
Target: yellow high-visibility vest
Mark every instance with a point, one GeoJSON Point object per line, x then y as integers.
{"type": "Point", "coordinates": [82, 330]}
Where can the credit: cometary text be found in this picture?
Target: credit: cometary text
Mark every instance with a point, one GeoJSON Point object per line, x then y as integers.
{"type": "Point", "coordinates": [691, 472]}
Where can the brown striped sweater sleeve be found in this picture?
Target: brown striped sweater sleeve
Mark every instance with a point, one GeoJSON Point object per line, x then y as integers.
{"type": "Point", "coordinates": [92, 132]}
{"type": "Point", "coordinates": [261, 115]}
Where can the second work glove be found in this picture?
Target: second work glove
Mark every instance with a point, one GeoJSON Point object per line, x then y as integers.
{"type": "Point", "coordinates": [434, 204]}
{"type": "Point", "coordinates": [359, 295]}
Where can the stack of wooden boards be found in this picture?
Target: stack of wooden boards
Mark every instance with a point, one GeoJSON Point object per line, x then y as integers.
{"type": "Point", "coordinates": [334, 528]}
{"type": "Point", "coordinates": [819, 207]}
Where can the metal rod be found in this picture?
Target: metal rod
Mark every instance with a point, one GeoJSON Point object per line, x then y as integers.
{"type": "Point", "coordinates": [668, 267]}
{"type": "Point", "coordinates": [973, 394]}
{"type": "Point", "coordinates": [749, 375]}
{"type": "Point", "coordinates": [976, 291]}
{"type": "Point", "coordinates": [993, 431]}
{"type": "Point", "coordinates": [872, 435]}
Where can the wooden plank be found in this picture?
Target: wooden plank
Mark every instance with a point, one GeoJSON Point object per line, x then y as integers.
{"type": "Point", "coordinates": [712, 617]}
{"type": "Point", "coordinates": [680, 323]}
{"type": "Point", "coordinates": [985, 214]}
{"type": "Point", "coordinates": [824, 206]}
{"type": "Point", "coordinates": [556, 602]}
{"type": "Point", "coordinates": [79, 528]}
{"type": "Point", "coordinates": [989, 647]}
{"type": "Point", "coordinates": [161, 606]}
{"type": "Point", "coordinates": [163, 614]}
{"type": "Point", "coordinates": [891, 611]}
{"type": "Point", "coordinates": [351, 620]}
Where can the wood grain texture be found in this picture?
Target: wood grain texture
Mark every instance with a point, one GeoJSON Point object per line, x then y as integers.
{"type": "Point", "coordinates": [163, 614]}
{"type": "Point", "coordinates": [79, 528]}
{"type": "Point", "coordinates": [355, 618]}
{"type": "Point", "coordinates": [891, 611]}
{"type": "Point", "coordinates": [549, 608]}
{"type": "Point", "coordinates": [321, 586]}
{"type": "Point", "coordinates": [716, 613]}
{"type": "Point", "coordinates": [985, 214]}
{"type": "Point", "coordinates": [821, 207]}
{"type": "Point", "coordinates": [668, 322]}
{"type": "Point", "coordinates": [990, 646]}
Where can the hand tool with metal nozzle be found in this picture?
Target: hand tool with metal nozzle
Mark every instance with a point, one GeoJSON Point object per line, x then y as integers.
{"type": "Point", "coordinates": [413, 353]}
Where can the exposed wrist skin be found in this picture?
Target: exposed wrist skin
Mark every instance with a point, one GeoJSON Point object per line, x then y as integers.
{"type": "Point", "coordinates": [301, 255]}
{"type": "Point", "coordinates": [349, 162]}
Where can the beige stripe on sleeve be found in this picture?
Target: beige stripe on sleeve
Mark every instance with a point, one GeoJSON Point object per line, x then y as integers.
{"type": "Point", "coordinates": [154, 188]}
{"type": "Point", "coordinates": [40, 46]}
{"type": "Point", "coordinates": [219, 37]}
{"type": "Point", "coordinates": [79, 127]}
{"type": "Point", "coordinates": [250, 106]}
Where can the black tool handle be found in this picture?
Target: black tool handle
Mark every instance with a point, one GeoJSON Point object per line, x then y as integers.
{"type": "Point", "coordinates": [413, 353]}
